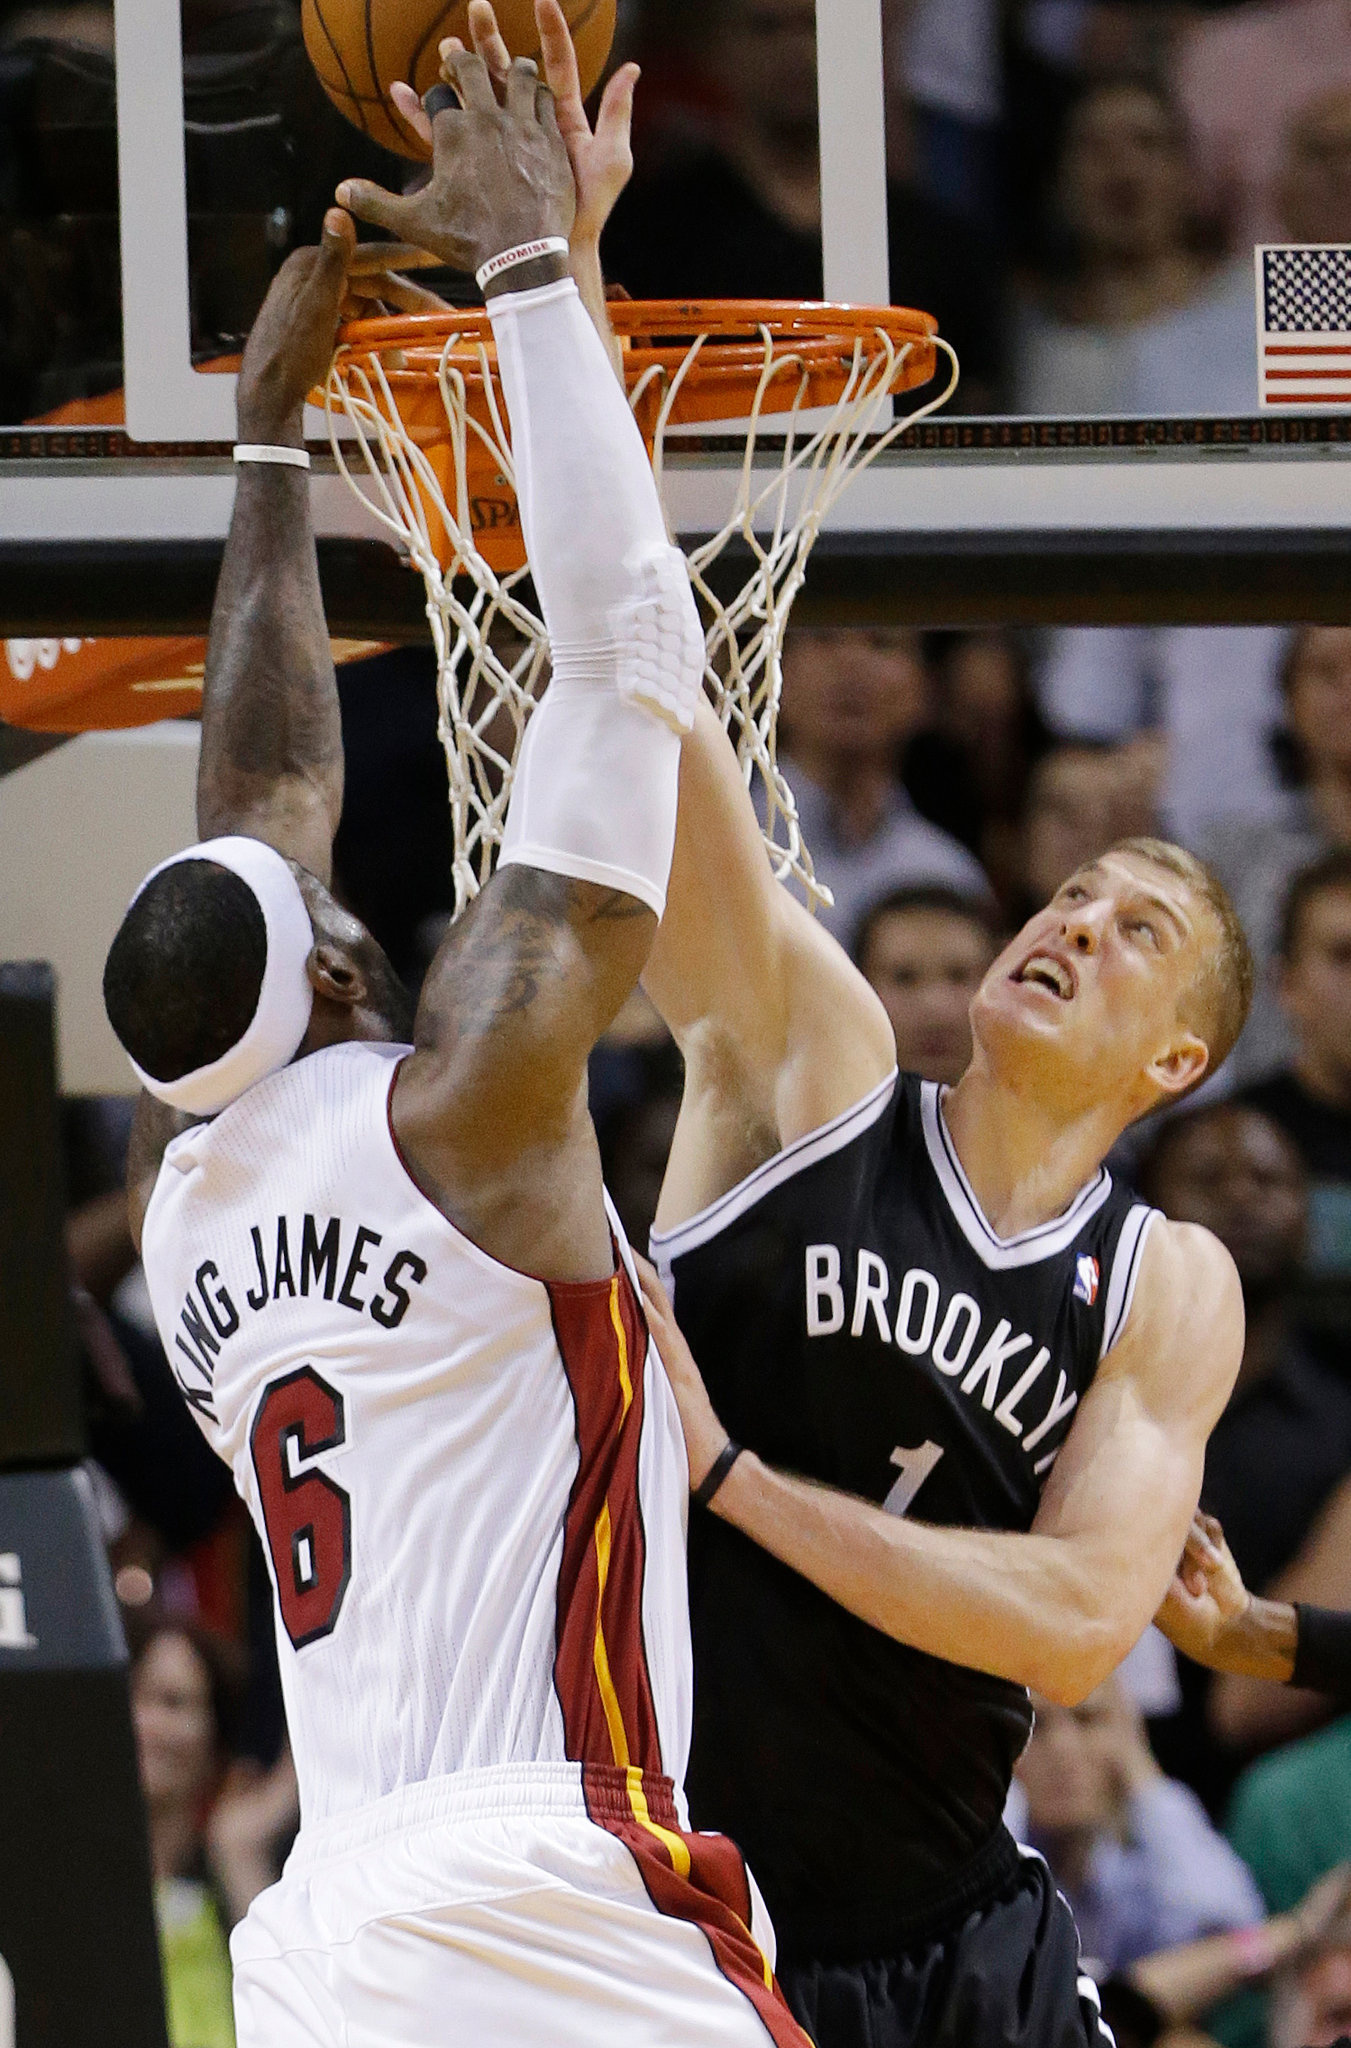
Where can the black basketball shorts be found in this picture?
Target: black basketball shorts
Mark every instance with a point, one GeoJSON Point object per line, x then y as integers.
{"type": "Point", "coordinates": [1007, 1976]}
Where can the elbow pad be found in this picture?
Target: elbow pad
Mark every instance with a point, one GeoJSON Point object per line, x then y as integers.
{"type": "Point", "coordinates": [598, 772]}
{"type": "Point", "coordinates": [595, 788]}
{"type": "Point", "coordinates": [659, 641]}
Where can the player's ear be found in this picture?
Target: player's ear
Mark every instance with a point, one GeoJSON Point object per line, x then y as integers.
{"type": "Point", "coordinates": [1180, 1066]}
{"type": "Point", "coordinates": [335, 974]}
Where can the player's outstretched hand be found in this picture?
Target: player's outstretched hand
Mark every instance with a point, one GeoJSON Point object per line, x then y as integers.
{"type": "Point", "coordinates": [601, 158]}
{"type": "Point", "coordinates": [500, 172]}
{"type": "Point", "coordinates": [704, 1434]}
{"type": "Point", "coordinates": [290, 345]}
{"type": "Point", "coordinates": [1207, 1597]}
{"type": "Point", "coordinates": [376, 285]}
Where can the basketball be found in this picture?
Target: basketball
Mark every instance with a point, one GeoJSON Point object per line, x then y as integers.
{"type": "Point", "coordinates": [359, 48]}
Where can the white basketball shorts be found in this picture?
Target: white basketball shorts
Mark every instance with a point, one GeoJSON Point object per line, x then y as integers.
{"type": "Point", "coordinates": [544, 1905]}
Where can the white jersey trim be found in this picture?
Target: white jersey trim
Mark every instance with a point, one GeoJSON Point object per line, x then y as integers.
{"type": "Point", "coordinates": [1044, 1241]}
{"type": "Point", "coordinates": [668, 1245]}
{"type": "Point", "coordinates": [1126, 1263]}
{"type": "Point", "coordinates": [1084, 1985]}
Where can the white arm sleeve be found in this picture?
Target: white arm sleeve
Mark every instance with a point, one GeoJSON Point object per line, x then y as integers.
{"type": "Point", "coordinates": [595, 789]}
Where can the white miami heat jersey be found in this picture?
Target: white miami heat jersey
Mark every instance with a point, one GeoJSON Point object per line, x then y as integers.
{"type": "Point", "coordinates": [470, 1484]}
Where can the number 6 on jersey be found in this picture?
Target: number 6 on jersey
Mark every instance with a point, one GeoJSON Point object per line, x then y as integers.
{"type": "Point", "coordinates": [308, 1515]}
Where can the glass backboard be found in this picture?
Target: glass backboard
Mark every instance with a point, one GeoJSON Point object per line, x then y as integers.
{"type": "Point", "coordinates": [1073, 194]}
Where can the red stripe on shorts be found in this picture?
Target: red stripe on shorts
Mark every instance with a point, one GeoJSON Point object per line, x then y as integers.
{"type": "Point", "coordinates": [600, 1664]}
{"type": "Point", "coordinates": [715, 1896]}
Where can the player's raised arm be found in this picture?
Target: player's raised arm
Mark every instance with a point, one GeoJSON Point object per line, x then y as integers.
{"type": "Point", "coordinates": [779, 1030]}
{"type": "Point", "coordinates": [271, 763]}
{"type": "Point", "coordinates": [1056, 1608]}
{"type": "Point", "coordinates": [492, 1108]}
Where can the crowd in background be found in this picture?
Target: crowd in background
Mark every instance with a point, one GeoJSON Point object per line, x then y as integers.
{"type": "Point", "coordinates": [1201, 1827]}
{"type": "Point", "coordinates": [1075, 187]}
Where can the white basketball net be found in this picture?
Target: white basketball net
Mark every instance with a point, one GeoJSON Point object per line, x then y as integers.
{"type": "Point", "coordinates": [492, 649]}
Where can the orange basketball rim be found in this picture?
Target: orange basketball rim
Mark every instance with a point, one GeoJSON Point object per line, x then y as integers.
{"type": "Point", "coordinates": [686, 363]}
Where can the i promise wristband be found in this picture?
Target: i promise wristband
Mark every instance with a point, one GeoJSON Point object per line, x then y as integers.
{"type": "Point", "coordinates": [254, 451]}
{"type": "Point", "coordinates": [525, 252]}
{"type": "Point", "coordinates": [716, 1473]}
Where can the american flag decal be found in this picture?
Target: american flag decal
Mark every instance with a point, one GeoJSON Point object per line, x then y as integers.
{"type": "Point", "coordinates": [1304, 324]}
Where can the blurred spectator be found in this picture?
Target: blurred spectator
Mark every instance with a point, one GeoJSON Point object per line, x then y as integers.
{"type": "Point", "coordinates": [1290, 1821]}
{"type": "Point", "coordinates": [1284, 1441]}
{"type": "Point", "coordinates": [1159, 1997]}
{"type": "Point", "coordinates": [1291, 1816]}
{"type": "Point", "coordinates": [1132, 1851]}
{"type": "Point", "coordinates": [971, 764]}
{"type": "Point", "coordinates": [1313, 189]}
{"type": "Point", "coordinates": [731, 206]}
{"type": "Point", "coordinates": [635, 1082]}
{"type": "Point", "coordinates": [1141, 317]}
{"type": "Point", "coordinates": [1257, 858]}
{"type": "Point", "coordinates": [263, 151]}
{"type": "Point", "coordinates": [1311, 1098]}
{"type": "Point", "coordinates": [213, 1841]}
{"type": "Point", "coordinates": [925, 951]}
{"type": "Point", "coordinates": [393, 854]}
{"type": "Point", "coordinates": [851, 699]}
{"type": "Point", "coordinates": [1283, 1444]}
{"type": "Point", "coordinates": [1311, 2007]}
{"type": "Point", "coordinates": [1243, 78]}
{"type": "Point", "coordinates": [1080, 800]}
{"type": "Point", "coordinates": [1211, 693]}
{"type": "Point", "coordinates": [141, 1431]}
{"type": "Point", "coordinates": [944, 58]}
{"type": "Point", "coordinates": [636, 1145]}
{"type": "Point", "coordinates": [179, 1708]}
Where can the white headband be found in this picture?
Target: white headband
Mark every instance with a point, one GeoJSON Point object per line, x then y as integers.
{"type": "Point", "coordinates": [285, 998]}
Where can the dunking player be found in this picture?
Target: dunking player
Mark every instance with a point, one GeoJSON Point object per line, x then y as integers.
{"type": "Point", "coordinates": [974, 1377]}
{"type": "Point", "coordinates": [470, 1481]}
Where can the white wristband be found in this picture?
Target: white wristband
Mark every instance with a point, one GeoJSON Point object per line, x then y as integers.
{"type": "Point", "coordinates": [247, 451]}
{"type": "Point", "coordinates": [527, 252]}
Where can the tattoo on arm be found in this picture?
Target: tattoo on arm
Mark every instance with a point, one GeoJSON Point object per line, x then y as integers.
{"type": "Point", "coordinates": [271, 732]}
{"type": "Point", "coordinates": [533, 938]}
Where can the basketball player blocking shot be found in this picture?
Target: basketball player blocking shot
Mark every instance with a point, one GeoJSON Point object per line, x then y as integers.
{"type": "Point", "coordinates": [974, 1378]}
{"type": "Point", "coordinates": [381, 1259]}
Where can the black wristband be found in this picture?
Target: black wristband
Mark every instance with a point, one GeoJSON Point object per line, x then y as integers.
{"type": "Point", "coordinates": [1322, 1650]}
{"type": "Point", "coordinates": [716, 1473]}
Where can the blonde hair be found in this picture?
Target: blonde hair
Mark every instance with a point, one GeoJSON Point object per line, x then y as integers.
{"type": "Point", "coordinates": [1217, 1004]}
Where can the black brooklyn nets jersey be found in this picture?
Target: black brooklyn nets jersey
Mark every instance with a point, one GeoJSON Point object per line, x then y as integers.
{"type": "Point", "coordinates": [857, 1321]}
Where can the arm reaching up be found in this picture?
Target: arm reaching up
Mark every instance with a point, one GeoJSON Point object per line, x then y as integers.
{"type": "Point", "coordinates": [601, 158]}
{"type": "Point", "coordinates": [779, 1030]}
{"type": "Point", "coordinates": [271, 763]}
{"type": "Point", "coordinates": [491, 1110]}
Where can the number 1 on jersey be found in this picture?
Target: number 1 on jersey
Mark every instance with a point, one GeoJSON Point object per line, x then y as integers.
{"type": "Point", "coordinates": [915, 1467]}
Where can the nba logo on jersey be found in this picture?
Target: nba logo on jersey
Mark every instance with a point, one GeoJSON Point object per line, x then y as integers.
{"type": "Point", "coordinates": [1086, 1278]}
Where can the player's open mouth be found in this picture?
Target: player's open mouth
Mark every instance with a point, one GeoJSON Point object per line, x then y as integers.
{"type": "Point", "coordinates": [1043, 970]}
